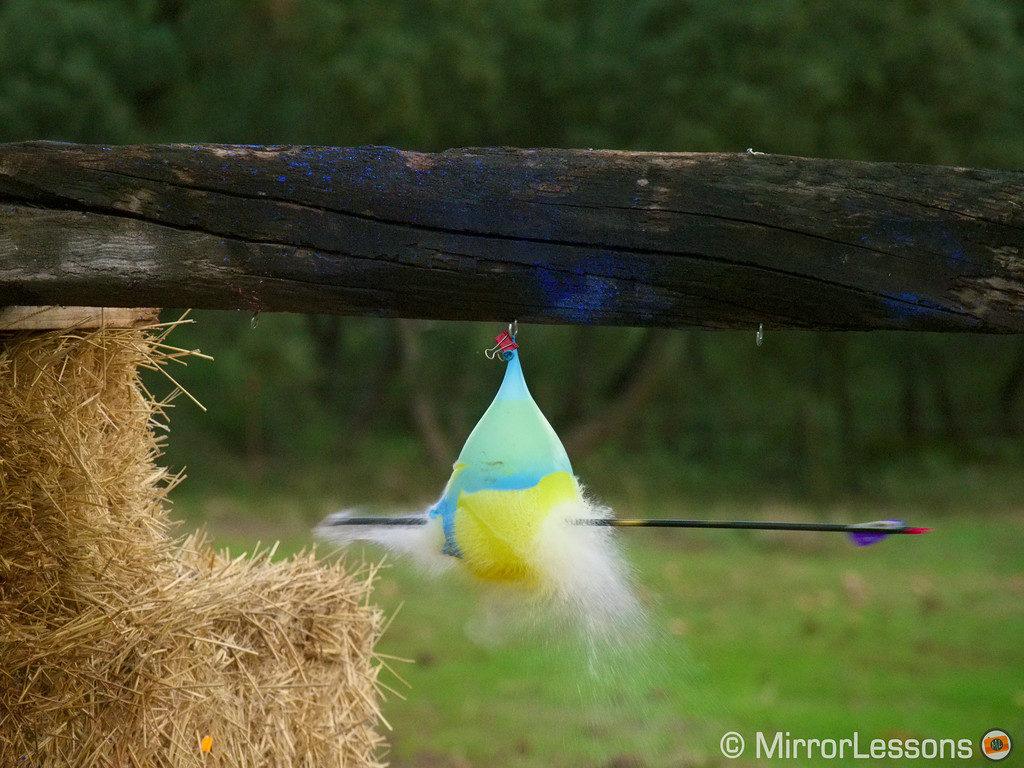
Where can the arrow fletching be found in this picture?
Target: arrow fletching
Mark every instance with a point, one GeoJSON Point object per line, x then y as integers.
{"type": "Point", "coordinates": [867, 534]}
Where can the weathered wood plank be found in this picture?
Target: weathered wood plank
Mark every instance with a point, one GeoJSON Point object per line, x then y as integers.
{"type": "Point", "coordinates": [563, 236]}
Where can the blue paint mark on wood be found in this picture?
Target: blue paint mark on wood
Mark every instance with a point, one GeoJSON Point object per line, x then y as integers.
{"type": "Point", "coordinates": [909, 306]}
{"type": "Point", "coordinates": [578, 298]}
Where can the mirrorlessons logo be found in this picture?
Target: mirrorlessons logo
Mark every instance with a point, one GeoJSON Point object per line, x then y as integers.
{"type": "Point", "coordinates": [994, 745]}
{"type": "Point", "coordinates": [784, 746]}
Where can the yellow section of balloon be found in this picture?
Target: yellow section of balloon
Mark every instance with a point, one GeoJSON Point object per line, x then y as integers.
{"type": "Point", "coordinates": [497, 530]}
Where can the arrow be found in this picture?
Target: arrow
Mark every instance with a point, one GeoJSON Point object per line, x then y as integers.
{"type": "Point", "coordinates": [862, 534]}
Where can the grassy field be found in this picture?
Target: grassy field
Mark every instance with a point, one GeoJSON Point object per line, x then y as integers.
{"type": "Point", "coordinates": [913, 638]}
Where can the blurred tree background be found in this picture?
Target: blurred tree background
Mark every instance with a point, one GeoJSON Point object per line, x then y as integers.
{"type": "Point", "coordinates": [352, 409]}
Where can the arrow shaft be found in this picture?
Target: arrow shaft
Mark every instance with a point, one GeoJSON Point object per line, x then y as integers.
{"type": "Point", "coordinates": [670, 523]}
{"type": "Point", "coordinates": [755, 525]}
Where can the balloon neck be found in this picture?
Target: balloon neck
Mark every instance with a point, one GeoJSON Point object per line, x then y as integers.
{"type": "Point", "coordinates": [513, 386]}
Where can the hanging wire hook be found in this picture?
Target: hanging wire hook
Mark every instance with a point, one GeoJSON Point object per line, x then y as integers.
{"type": "Point", "coordinates": [505, 343]}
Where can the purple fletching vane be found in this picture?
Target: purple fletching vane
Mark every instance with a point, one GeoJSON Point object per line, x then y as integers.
{"type": "Point", "coordinates": [868, 537]}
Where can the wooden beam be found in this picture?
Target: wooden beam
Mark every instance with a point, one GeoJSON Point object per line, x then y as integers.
{"type": "Point", "coordinates": [556, 236]}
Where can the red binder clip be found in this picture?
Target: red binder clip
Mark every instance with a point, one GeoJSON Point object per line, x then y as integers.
{"type": "Point", "coordinates": [504, 343]}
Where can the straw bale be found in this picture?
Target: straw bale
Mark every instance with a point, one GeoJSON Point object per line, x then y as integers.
{"type": "Point", "coordinates": [120, 646]}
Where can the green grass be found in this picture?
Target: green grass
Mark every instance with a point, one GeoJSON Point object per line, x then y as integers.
{"type": "Point", "coordinates": [916, 638]}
